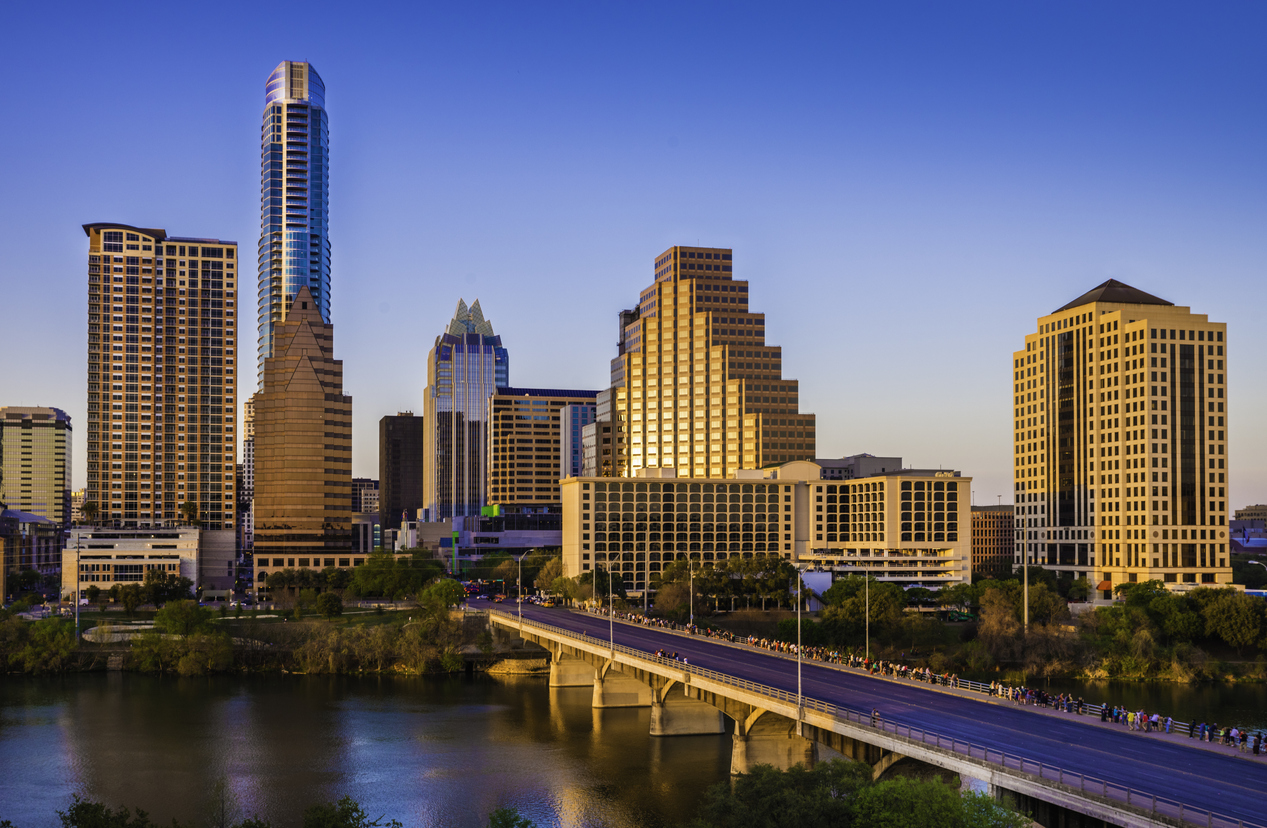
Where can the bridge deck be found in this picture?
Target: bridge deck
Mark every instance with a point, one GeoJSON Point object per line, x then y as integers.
{"type": "Point", "coordinates": [1228, 784]}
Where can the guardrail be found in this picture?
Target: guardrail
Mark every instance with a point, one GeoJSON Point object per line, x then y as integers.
{"type": "Point", "coordinates": [1092, 787]}
{"type": "Point", "coordinates": [1088, 709]}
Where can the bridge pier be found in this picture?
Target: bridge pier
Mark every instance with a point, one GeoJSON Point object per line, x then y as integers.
{"type": "Point", "coordinates": [765, 738]}
{"type": "Point", "coordinates": [569, 671]}
{"type": "Point", "coordinates": [612, 688]}
{"type": "Point", "coordinates": [677, 714]}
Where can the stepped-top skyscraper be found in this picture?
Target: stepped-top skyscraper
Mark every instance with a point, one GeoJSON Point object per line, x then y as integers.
{"type": "Point", "coordinates": [1120, 443]}
{"type": "Point", "coordinates": [294, 249]}
{"type": "Point", "coordinates": [695, 386]}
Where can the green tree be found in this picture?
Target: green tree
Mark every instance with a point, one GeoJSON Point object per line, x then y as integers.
{"type": "Point", "coordinates": [846, 615]}
{"type": "Point", "coordinates": [903, 802]}
{"type": "Point", "coordinates": [89, 511]}
{"type": "Point", "coordinates": [548, 574]}
{"type": "Point", "coordinates": [509, 818]}
{"type": "Point", "coordinates": [329, 604]}
{"type": "Point", "coordinates": [189, 513]}
{"type": "Point", "coordinates": [83, 814]}
{"type": "Point", "coordinates": [182, 618]}
{"type": "Point", "coordinates": [92, 593]}
{"type": "Point", "coordinates": [131, 597]}
{"type": "Point", "coordinates": [160, 587]}
{"type": "Point", "coordinates": [346, 813]}
{"type": "Point", "coordinates": [1235, 617]}
{"type": "Point", "coordinates": [44, 646]}
{"type": "Point", "coordinates": [800, 798]}
{"type": "Point", "coordinates": [335, 578]}
{"type": "Point", "coordinates": [445, 591]}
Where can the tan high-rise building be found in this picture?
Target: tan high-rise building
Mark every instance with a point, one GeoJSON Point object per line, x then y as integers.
{"type": "Point", "coordinates": [162, 376]}
{"type": "Point", "coordinates": [698, 388]}
{"type": "Point", "coordinates": [525, 435]}
{"type": "Point", "coordinates": [303, 449]}
{"type": "Point", "coordinates": [35, 448]}
{"type": "Point", "coordinates": [1120, 442]}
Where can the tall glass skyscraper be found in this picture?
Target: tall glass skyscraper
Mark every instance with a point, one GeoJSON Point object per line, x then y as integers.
{"type": "Point", "coordinates": [466, 365]}
{"type": "Point", "coordinates": [294, 249]}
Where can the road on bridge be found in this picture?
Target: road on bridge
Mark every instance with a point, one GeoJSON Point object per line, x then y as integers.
{"type": "Point", "coordinates": [1228, 784]}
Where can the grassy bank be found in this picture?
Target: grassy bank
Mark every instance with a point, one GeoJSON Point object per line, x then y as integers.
{"type": "Point", "coordinates": [185, 639]}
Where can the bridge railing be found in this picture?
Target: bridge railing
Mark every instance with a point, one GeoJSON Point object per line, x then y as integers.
{"type": "Point", "coordinates": [1181, 728]}
{"type": "Point", "coordinates": [1092, 787]}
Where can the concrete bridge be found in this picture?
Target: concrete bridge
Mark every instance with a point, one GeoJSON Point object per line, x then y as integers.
{"type": "Point", "coordinates": [776, 727]}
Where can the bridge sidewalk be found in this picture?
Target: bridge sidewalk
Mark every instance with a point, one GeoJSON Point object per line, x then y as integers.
{"type": "Point", "coordinates": [972, 695]}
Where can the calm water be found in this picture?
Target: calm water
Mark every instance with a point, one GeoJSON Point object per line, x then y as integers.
{"type": "Point", "coordinates": [429, 752]}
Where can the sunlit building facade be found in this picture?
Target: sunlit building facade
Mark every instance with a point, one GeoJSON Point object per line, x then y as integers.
{"type": "Point", "coordinates": [35, 445]}
{"type": "Point", "coordinates": [696, 387]}
{"type": "Point", "coordinates": [162, 377]}
{"type": "Point", "coordinates": [303, 449]}
{"type": "Point", "coordinates": [1121, 428]}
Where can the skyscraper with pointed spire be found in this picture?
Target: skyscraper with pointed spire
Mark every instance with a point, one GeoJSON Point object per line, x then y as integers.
{"type": "Point", "coordinates": [465, 365]}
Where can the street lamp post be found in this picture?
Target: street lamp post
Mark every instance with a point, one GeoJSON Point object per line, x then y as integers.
{"type": "Point", "coordinates": [611, 613]}
{"type": "Point", "coordinates": [78, 584]}
{"type": "Point", "coordinates": [867, 587]}
{"type": "Point", "coordinates": [691, 564]}
{"type": "Point", "coordinates": [520, 584]}
{"type": "Point", "coordinates": [800, 709]}
{"type": "Point", "coordinates": [1025, 558]}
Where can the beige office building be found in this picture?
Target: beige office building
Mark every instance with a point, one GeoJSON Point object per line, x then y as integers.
{"type": "Point", "coordinates": [303, 449]}
{"type": "Point", "coordinates": [35, 445]}
{"type": "Point", "coordinates": [1121, 442]}
{"type": "Point", "coordinates": [695, 386]}
{"type": "Point", "coordinates": [162, 376]}
{"type": "Point", "coordinates": [903, 527]}
{"type": "Point", "coordinates": [524, 441]}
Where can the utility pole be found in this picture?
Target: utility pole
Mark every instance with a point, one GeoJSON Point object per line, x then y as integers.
{"type": "Point", "coordinates": [611, 613]}
{"type": "Point", "coordinates": [800, 709]}
{"type": "Point", "coordinates": [868, 601]}
{"type": "Point", "coordinates": [521, 590]}
{"type": "Point", "coordinates": [692, 591]}
{"type": "Point", "coordinates": [78, 581]}
{"type": "Point", "coordinates": [1025, 557]}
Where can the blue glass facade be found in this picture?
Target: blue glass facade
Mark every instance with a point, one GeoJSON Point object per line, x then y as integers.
{"type": "Point", "coordinates": [294, 249]}
{"type": "Point", "coordinates": [467, 363]}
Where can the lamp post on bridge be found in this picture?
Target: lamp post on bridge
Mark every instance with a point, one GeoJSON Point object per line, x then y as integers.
{"type": "Point", "coordinates": [691, 564]}
{"type": "Point", "coordinates": [611, 612]}
{"type": "Point", "coordinates": [520, 595]}
{"type": "Point", "coordinates": [800, 706]}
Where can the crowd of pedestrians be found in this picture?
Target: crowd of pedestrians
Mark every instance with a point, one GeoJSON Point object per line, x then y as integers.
{"type": "Point", "coordinates": [1136, 720]}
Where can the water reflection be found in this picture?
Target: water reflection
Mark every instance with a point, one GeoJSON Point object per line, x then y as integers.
{"type": "Point", "coordinates": [430, 752]}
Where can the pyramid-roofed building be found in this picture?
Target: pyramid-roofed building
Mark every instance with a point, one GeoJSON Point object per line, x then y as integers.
{"type": "Point", "coordinates": [1118, 293]}
{"type": "Point", "coordinates": [303, 449]}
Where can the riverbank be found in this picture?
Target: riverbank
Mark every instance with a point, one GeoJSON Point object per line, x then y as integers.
{"type": "Point", "coordinates": [190, 641]}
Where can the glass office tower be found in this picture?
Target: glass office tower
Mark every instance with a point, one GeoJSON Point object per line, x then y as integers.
{"type": "Point", "coordinates": [294, 249]}
{"type": "Point", "coordinates": [464, 368]}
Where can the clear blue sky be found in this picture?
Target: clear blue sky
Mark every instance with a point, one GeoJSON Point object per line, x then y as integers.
{"type": "Point", "coordinates": [907, 186]}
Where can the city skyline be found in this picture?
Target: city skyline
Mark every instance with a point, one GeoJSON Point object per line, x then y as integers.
{"type": "Point", "coordinates": [882, 212]}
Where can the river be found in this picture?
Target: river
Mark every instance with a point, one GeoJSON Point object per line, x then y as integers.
{"type": "Point", "coordinates": [440, 752]}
